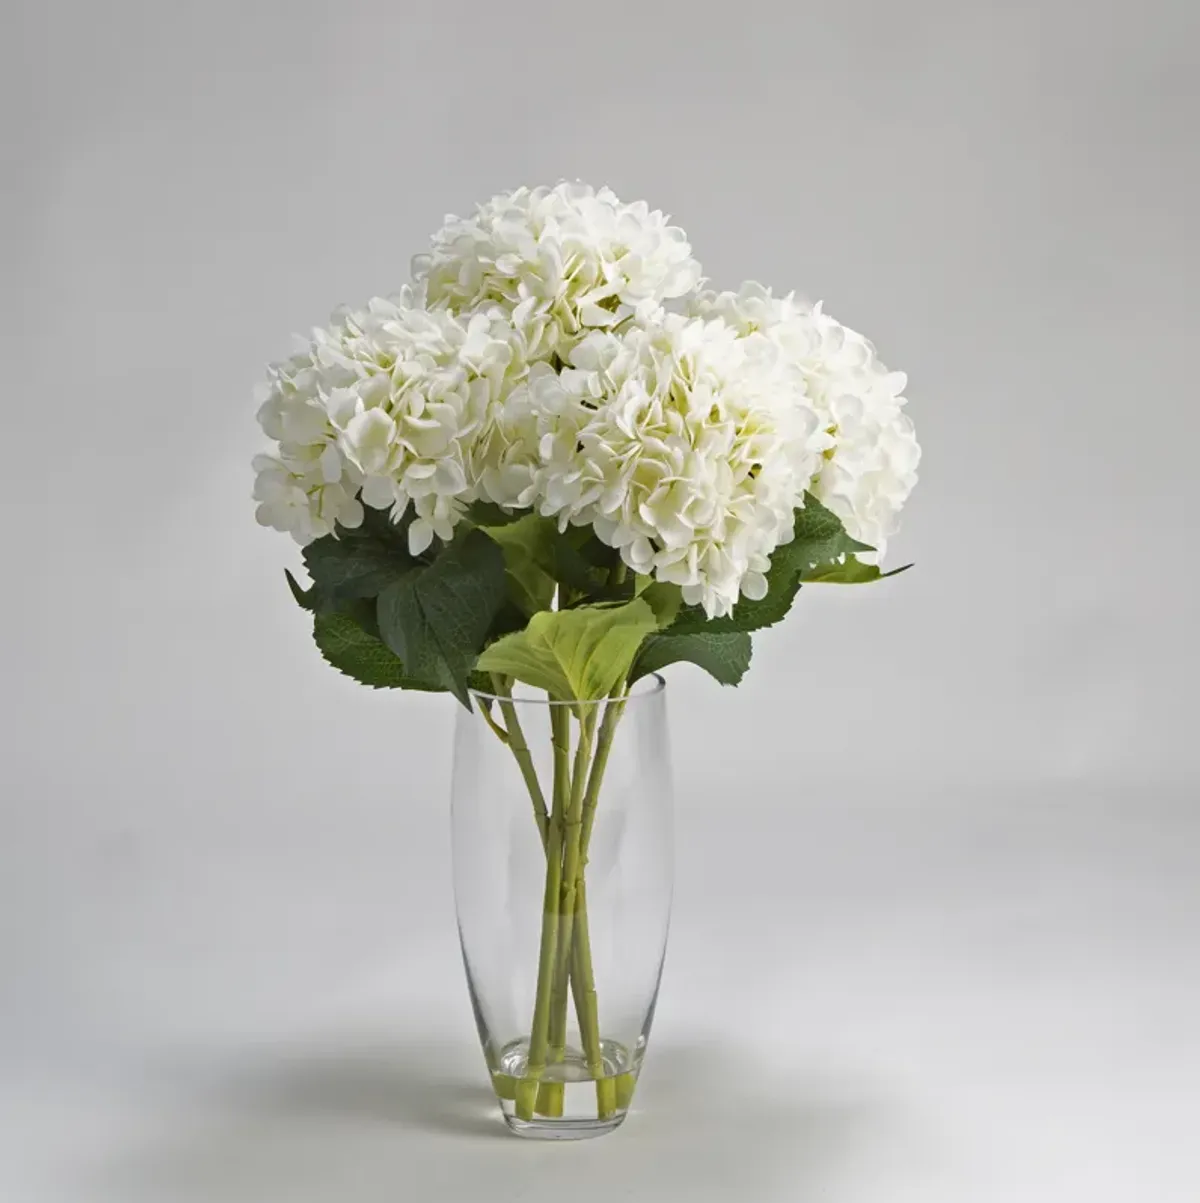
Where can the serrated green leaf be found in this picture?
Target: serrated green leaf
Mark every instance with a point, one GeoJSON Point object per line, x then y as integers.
{"type": "Point", "coordinates": [360, 562]}
{"type": "Point", "coordinates": [852, 571]}
{"type": "Point", "coordinates": [818, 538]}
{"type": "Point", "coordinates": [305, 598]}
{"type": "Point", "coordinates": [358, 653]}
{"type": "Point", "coordinates": [725, 657]}
{"type": "Point", "coordinates": [592, 550]}
{"type": "Point", "coordinates": [581, 563]}
{"type": "Point", "coordinates": [488, 514]}
{"type": "Point", "coordinates": [783, 583]}
{"type": "Point", "coordinates": [664, 599]}
{"type": "Point", "coordinates": [575, 655]}
{"type": "Point", "coordinates": [527, 545]}
{"type": "Point", "coordinates": [436, 618]}
{"type": "Point", "coordinates": [572, 563]}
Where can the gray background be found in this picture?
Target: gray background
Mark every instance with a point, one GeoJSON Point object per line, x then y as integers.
{"type": "Point", "coordinates": [938, 903]}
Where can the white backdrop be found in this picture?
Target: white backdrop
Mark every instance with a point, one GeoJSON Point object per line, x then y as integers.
{"type": "Point", "coordinates": [227, 958]}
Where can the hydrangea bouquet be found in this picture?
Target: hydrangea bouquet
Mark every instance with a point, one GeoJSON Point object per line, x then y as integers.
{"type": "Point", "coordinates": [556, 461]}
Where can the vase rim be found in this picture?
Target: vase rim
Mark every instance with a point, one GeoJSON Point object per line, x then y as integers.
{"type": "Point", "coordinates": [652, 685]}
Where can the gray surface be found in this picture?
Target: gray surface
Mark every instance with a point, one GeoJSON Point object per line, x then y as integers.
{"type": "Point", "coordinates": [227, 967]}
{"type": "Point", "coordinates": [940, 998]}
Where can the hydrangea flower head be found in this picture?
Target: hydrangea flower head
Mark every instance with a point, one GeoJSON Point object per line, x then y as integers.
{"type": "Point", "coordinates": [560, 260]}
{"type": "Point", "coordinates": [871, 467]}
{"type": "Point", "coordinates": [382, 407]}
{"type": "Point", "coordinates": [683, 445]}
{"type": "Point", "coordinates": [535, 364]}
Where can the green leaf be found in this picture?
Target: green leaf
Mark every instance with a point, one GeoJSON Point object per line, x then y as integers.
{"type": "Point", "coordinates": [580, 562]}
{"type": "Point", "coordinates": [540, 557]}
{"type": "Point", "coordinates": [527, 545]}
{"type": "Point", "coordinates": [576, 655]}
{"type": "Point", "coordinates": [358, 653]}
{"type": "Point", "coordinates": [305, 598]}
{"type": "Point", "coordinates": [723, 656]}
{"type": "Point", "coordinates": [664, 599]}
{"type": "Point", "coordinates": [819, 538]}
{"type": "Point", "coordinates": [783, 583]}
{"type": "Point", "coordinates": [358, 563]}
{"type": "Point", "coordinates": [437, 618]}
{"type": "Point", "coordinates": [852, 571]}
{"type": "Point", "coordinates": [488, 514]}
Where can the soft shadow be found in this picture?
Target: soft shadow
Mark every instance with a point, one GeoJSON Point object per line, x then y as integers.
{"type": "Point", "coordinates": [420, 1087]}
{"type": "Point", "coordinates": [378, 1124]}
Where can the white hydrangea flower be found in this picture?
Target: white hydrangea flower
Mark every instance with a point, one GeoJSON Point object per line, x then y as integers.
{"type": "Point", "coordinates": [307, 485]}
{"type": "Point", "coordinates": [560, 261]}
{"type": "Point", "coordinates": [505, 457]}
{"type": "Point", "coordinates": [534, 365]}
{"type": "Point", "coordinates": [685, 446]}
{"type": "Point", "coordinates": [751, 309]}
{"type": "Point", "coordinates": [872, 466]}
{"type": "Point", "coordinates": [393, 396]}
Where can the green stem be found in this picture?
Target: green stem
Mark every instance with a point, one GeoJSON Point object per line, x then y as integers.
{"type": "Point", "coordinates": [570, 884]}
{"type": "Point", "coordinates": [571, 940]}
{"type": "Point", "coordinates": [608, 729]}
{"type": "Point", "coordinates": [582, 972]}
{"type": "Point", "coordinates": [520, 750]}
{"type": "Point", "coordinates": [587, 1006]}
{"type": "Point", "coordinates": [539, 1036]}
{"type": "Point", "coordinates": [586, 1019]}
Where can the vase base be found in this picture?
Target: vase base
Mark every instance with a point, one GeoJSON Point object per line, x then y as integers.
{"type": "Point", "coordinates": [566, 1102]}
{"type": "Point", "coordinates": [562, 1129]}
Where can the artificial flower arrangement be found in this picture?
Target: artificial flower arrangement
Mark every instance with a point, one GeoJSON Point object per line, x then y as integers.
{"type": "Point", "coordinates": [556, 461]}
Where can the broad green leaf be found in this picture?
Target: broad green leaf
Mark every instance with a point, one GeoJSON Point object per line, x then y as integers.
{"type": "Point", "coordinates": [852, 571]}
{"type": "Point", "coordinates": [488, 514]}
{"type": "Point", "coordinates": [593, 551]}
{"type": "Point", "coordinates": [359, 653]}
{"type": "Point", "coordinates": [540, 556]}
{"type": "Point", "coordinates": [305, 598]}
{"type": "Point", "coordinates": [573, 569]}
{"type": "Point", "coordinates": [819, 538]}
{"type": "Point", "coordinates": [783, 583]}
{"type": "Point", "coordinates": [575, 655]}
{"type": "Point", "coordinates": [579, 562]}
{"type": "Point", "coordinates": [436, 618]}
{"type": "Point", "coordinates": [358, 563]}
{"type": "Point", "coordinates": [664, 599]}
{"type": "Point", "coordinates": [527, 545]}
{"type": "Point", "coordinates": [723, 656]}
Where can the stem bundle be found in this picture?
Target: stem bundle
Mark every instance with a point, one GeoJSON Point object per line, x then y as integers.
{"type": "Point", "coordinates": [565, 957]}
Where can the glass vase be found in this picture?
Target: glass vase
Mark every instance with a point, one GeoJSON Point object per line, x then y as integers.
{"type": "Point", "coordinates": [562, 842]}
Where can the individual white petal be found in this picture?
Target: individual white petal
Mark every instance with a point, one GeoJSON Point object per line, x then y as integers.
{"type": "Point", "coordinates": [331, 465]}
{"type": "Point", "coordinates": [379, 492]}
{"type": "Point", "coordinates": [420, 536]}
{"type": "Point", "coordinates": [754, 586]}
{"type": "Point", "coordinates": [368, 440]}
{"type": "Point", "coordinates": [350, 514]}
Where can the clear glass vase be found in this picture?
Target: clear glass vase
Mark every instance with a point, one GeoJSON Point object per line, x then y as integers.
{"type": "Point", "coordinates": [562, 838]}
